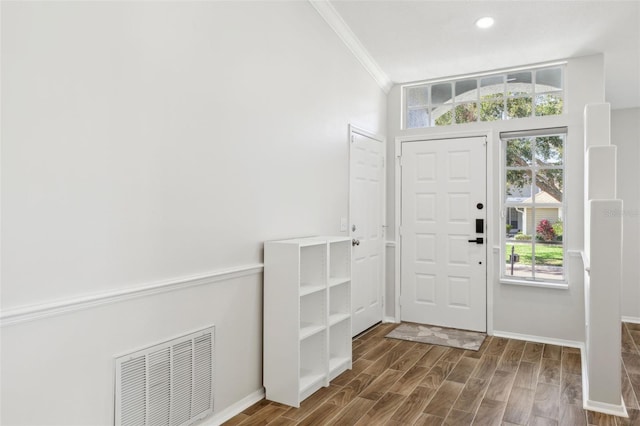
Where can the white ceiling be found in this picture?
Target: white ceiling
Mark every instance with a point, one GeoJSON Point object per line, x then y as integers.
{"type": "Point", "coordinates": [421, 40]}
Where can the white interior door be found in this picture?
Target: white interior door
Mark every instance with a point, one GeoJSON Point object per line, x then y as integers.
{"type": "Point", "coordinates": [443, 262]}
{"type": "Point", "coordinates": [367, 231]}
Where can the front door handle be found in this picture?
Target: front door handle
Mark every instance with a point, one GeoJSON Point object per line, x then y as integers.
{"type": "Point", "coordinates": [478, 240]}
{"type": "Point", "coordinates": [355, 242]}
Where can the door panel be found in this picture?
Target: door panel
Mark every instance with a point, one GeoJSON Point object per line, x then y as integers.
{"type": "Point", "coordinates": [443, 274]}
{"type": "Point", "coordinates": [367, 203]}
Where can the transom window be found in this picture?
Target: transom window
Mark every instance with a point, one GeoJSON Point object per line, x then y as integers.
{"type": "Point", "coordinates": [534, 205]}
{"type": "Point", "coordinates": [529, 93]}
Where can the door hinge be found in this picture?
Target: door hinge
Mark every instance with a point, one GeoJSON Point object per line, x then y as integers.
{"type": "Point", "coordinates": [353, 138]}
{"type": "Point", "coordinates": [400, 160]}
{"type": "Point", "coordinates": [382, 161]}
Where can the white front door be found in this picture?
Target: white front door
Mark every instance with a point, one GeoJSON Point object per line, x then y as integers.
{"type": "Point", "coordinates": [443, 262]}
{"type": "Point", "coordinates": [366, 211]}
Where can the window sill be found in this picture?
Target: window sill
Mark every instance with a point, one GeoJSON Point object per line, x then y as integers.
{"type": "Point", "coordinates": [539, 284]}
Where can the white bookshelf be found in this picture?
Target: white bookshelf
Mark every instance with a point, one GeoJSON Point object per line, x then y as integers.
{"type": "Point", "coordinates": [307, 315]}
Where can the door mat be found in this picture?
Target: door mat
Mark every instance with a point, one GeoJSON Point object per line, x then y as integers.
{"type": "Point", "coordinates": [442, 336]}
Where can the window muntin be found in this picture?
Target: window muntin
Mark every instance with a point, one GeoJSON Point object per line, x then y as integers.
{"type": "Point", "coordinates": [534, 208]}
{"type": "Point", "coordinates": [520, 94]}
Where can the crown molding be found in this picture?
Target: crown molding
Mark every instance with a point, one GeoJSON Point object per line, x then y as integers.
{"type": "Point", "coordinates": [337, 24]}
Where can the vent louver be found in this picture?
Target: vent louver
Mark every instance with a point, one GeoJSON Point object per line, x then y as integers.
{"type": "Point", "coordinates": [167, 384]}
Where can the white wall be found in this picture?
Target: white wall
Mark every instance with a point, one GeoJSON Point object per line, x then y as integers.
{"type": "Point", "coordinates": [625, 134]}
{"type": "Point", "coordinates": [541, 312]}
{"type": "Point", "coordinates": [150, 141]}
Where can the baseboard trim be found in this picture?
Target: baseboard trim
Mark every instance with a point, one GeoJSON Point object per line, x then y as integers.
{"type": "Point", "coordinates": [601, 407]}
{"type": "Point", "coordinates": [633, 320]}
{"type": "Point", "coordinates": [387, 320]}
{"type": "Point", "coordinates": [540, 339]}
{"type": "Point", "coordinates": [613, 409]}
{"type": "Point", "coordinates": [235, 409]}
{"type": "Point", "coordinates": [30, 313]}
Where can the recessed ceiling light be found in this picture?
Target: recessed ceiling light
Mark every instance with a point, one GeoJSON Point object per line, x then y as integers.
{"type": "Point", "coordinates": [485, 22]}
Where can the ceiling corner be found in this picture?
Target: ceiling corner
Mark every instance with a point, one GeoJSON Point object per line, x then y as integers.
{"type": "Point", "coordinates": [340, 27]}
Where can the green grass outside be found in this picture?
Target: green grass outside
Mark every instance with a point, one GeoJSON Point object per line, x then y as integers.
{"type": "Point", "coordinates": [546, 254]}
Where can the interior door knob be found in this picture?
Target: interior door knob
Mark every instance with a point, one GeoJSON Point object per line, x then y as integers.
{"type": "Point", "coordinates": [355, 242]}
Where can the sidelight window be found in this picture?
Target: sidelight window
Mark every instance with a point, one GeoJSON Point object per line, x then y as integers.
{"type": "Point", "coordinates": [534, 212]}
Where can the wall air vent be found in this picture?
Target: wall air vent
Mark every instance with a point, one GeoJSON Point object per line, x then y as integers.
{"type": "Point", "coordinates": [167, 384]}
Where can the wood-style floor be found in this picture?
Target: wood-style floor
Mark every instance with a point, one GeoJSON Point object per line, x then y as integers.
{"type": "Point", "coordinates": [507, 382]}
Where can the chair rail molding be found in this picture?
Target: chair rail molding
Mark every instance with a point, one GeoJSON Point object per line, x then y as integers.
{"type": "Point", "coordinates": [22, 314]}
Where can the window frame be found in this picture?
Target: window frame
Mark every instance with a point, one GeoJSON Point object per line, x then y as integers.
{"type": "Point", "coordinates": [453, 103]}
{"type": "Point", "coordinates": [504, 137]}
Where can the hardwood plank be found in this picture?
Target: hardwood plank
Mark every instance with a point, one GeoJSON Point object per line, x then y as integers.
{"type": "Point", "coordinates": [572, 415]}
{"type": "Point", "coordinates": [550, 371]}
{"type": "Point", "coordinates": [380, 349]}
{"type": "Point", "coordinates": [352, 412]}
{"type": "Point", "coordinates": [283, 421]}
{"type": "Point", "coordinates": [380, 385]}
{"type": "Point", "coordinates": [437, 374]}
{"type": "Point", "coordinates": [459, 418]}
{"type": "Point", "coordinates": [486, 367]}
{"type": "Point", "coordinates": [632, 420]}
{"type": "Point", "coordinates": [600, 419]}
{"type": "Point", "coordinates": [408, 360]}
{"type": "Point", "coordinates": [236, 420]}
{"type": "Point", "coordinates": [462, 370]}
{"type": "Point", "coordinates": [429, 420]}
{"type": "Point", "coordinates": [631, 363]}
{"type": "Point", "coordinates": [532, 352]}
{"type": "Point", "coordinates": [349, 392]}
{"type": "Point", "coordinates": [452, 355]}
{"type": "Point", "coordinates": [519, 405]}
{"type": "Point", "coordinates": [571, 389]}
{"type": "Point", "coordinates": [471, 395]}
{"type": "Point", "coordinates": [497, 346]}
{"type": "Point", "coordinates": [365, 347]}
{"type": "Point", "coordinates": [256, 407]}
{"type": "Point", "coordinates": [635, 336]}
{"type": "Point", "coordinates": [632, 326]}
{"type": "Point", "coordinates": [628, 395]}
{"type": "Point", "coordinates": [440, 403]}
{"type": "Point", "coordinates": [516, 345]}
{"type": "Point", "coordinates": [500, 386]}
{"type": "Point", "coordinates": [409, 381]}
{"type": "Point", "coordinates": [627, 342]}
{"type": "Point", "coordinates": [357, 367]}
{"type": "Point", "coordinates": [571, 363]}
{"type": "Point", "coordinates": [264, 416]}
{"type": "Point", "coordinates": [569, 350]}
{"type": "Point", "coordinates": [314, 401]}
{"type": "Point", "coordinates": [382, 410]}
{"type": "Point", "coordinates": [552, 352]}
{"type": "Point", "coordinates": [379, 330]}
{"type": "Point", "coordinates": [386, 360]}
{"type": "Point", "coordinates": [527, 376]}
{"type": "Point", "coordinates": [413, 405]}
{"type": "Point", "coordinates": [477, 354]}
{"type": "Point", "coordinates": [430, 358]}
{"type": "Point", "coordinates": [489, 413]}
{"type": "Point", "coordinates": [546, 401]}
{"type": "Point", "coordinates": [542, 421]}
{"type": "Point", "coordinates": [510, 360]}
{"type": "Point", "coordinates": [635, 383]}
{"type": "Point", "coordinates": [321, 415]}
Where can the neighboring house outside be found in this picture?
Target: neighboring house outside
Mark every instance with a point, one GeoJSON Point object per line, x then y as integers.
{"type": "Point", "coordinates": [522, 218]}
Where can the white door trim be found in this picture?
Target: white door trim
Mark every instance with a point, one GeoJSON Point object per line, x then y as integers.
{"type": "Point", "coordinates": [492, 220]}
{"type": "Point", "coordinates": [355, 130]}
